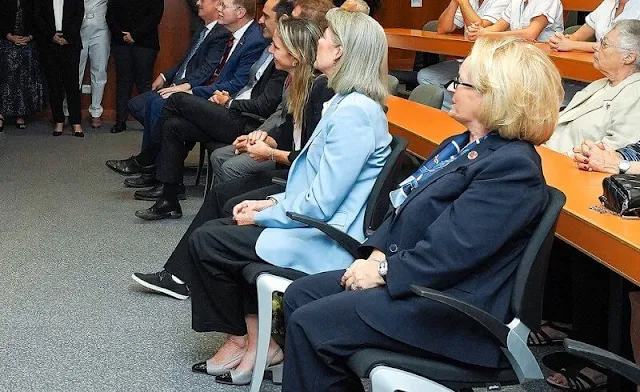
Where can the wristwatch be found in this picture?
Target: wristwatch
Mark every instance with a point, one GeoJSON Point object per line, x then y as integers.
{"type": "Point", "coordinates": [623, 166]}
{"type": "Point", "coordinates": [383, 266]}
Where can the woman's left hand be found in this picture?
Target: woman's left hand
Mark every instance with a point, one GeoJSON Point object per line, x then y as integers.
{"type": "Point", "coordinates": [245, 218]}
{"type": "Point", "coordinates": [362, 275]}
{"type": "Point", "coordinates": [259, 151]}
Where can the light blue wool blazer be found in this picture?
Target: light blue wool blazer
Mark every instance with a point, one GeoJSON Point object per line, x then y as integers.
{"type": "Point", "coordinates": [330, 180]}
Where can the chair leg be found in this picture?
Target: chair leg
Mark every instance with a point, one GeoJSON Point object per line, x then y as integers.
{"type": "Point", "coordinates": [209, 174]}
{"type": "Point", "coordinates": [200, 163]}
{"type": "Point", "coordinates": [387, 379]}
{"type": "Point", "coordinates": [266, 284]}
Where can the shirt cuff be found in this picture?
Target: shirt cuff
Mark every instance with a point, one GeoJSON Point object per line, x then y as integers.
{"type": "Point", "coordinates": [163, 77]}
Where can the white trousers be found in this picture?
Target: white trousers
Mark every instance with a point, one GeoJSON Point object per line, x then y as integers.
{"type": "Point", "coordinates": [95, 47]}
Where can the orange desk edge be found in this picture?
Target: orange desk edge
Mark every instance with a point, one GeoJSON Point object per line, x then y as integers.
{"type": "Point", "coordinates": [613, 241]}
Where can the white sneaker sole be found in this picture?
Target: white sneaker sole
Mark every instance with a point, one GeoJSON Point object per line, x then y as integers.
{"type": "Point", "coordinates": [158, 288]}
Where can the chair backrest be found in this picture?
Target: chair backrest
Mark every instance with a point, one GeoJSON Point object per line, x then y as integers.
{"type": "Point", "coordinates": [428, 94]}
{"type": "Point", "coordinates": [526, 301]}
{"type": "Point", "coordinates": [572, 29]}
{"type": "Point", "coordinates": [378, 201]}
{"type": "Point", "coordinates": [393, 83]}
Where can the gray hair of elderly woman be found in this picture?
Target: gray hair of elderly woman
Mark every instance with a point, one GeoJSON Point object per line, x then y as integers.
{"type": "Point", "coordinates": [629, 37]}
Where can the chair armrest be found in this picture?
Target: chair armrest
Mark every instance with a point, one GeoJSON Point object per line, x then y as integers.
{"type": "Point", "coordinates": [252, 116]}
{"type": "Point", "coordinates": [605, 359]}
{"type": "Point", "coordinates": [491, 324]}
{"type": "Point", "coordinates": [350, 244]}
{"type": "Point", "coordinates": [279, 181]}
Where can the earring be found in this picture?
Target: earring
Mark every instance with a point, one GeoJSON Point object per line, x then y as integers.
{"type": "Point", "coordinates": [295, 63]}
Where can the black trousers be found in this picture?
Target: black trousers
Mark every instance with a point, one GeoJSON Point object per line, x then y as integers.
{"type": "Point", "coordinates": [219, 203]}
{"type": "Point", "coordinates": [323, 331]}
{"type": "Point", "coordinates": [185, 120]}
{"type": "Point", "coordinates": [134, 64]}
{"type": "Point", "coordinates": [220, 296]}
{"type": "Point", "coordinates": [577, 292]}
{"type": "Point", "coordinates": [61, 65]}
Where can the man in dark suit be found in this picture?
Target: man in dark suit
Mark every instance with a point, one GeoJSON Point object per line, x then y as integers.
{"type": "Point", "coordinates": [58, 26]}
{"type": "Point", "coordinates": [197, 66]}
{"type": "Point", "coordinates": [187, 119]}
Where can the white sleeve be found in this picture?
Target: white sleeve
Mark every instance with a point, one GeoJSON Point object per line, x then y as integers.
{"type": "Point", "coordinates": [552, 9]}
{"type": "Point", "coordinates": [506, 14]}
{"type": "Point", "coordinates": [494, 10]}
{"type": "Point", "coordinates": [596, 15]}
{"type": "Point", "coordinates": [458, 20]}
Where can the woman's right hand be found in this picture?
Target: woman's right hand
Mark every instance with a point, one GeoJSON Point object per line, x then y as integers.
{"type": "Point", "coordinates": [240, 144]}
{"type": "Point", "coordinates": [257, 135]}
{"type": "Point", "coordinates": [251, 206]}
{"type": "Point", "coordinates": [560, 43]}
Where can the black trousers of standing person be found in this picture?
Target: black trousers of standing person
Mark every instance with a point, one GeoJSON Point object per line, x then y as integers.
{"type": "Point", "coordinates": [323, 331]}
{"type": "Point", "coordinates": [187, 119]}
{"type": "Point", "coordinates": [220, 297]}
{"type": "Point", "coordinates": [134, 64]}
{"type": "Point", "coordinates": [219, 203]}
{"type": "Point", "coordinates": [61, 65]}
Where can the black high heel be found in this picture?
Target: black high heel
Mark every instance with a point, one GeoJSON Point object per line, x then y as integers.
{"type": "Point", "coordinates": [21, 125]}
{"type": "Point", "coordinates": [1, 124]}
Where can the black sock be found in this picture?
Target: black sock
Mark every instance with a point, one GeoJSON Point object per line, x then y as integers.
{"type": "Point", "coordinates": [170, 192]}
{"type": "Point", "coordinates": [148, 154]}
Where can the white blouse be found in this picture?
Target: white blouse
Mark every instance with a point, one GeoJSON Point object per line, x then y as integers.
{"type": "Point", "coordinates": [520, 12]}
{"type": "Point", "coordinates": [489, 10]}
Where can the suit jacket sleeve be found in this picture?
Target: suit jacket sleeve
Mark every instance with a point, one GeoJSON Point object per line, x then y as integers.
{"type": "Point", "coordinates": [7, 17]}
{"type": "Point", "coordinates": [151, 21]}
{"type": "Point", "coordinates": [625, 117]}
{"type": "Point", "coordinates": [214, 51]}
{"type": "Point", "coordinates": [267, 102]}
{"type": "Point", "coordinates": [338, 170]}
{"type": "Point", "coordinates": [45, 27]}
{"type": "Point", "coordinates": [112, 18]}
{"type": "Point", "coordinates": [238, 80]}
{"type": "Point", "coordinates": [73, 23]}
{"type": "Point", "coordinates": [453, 245]}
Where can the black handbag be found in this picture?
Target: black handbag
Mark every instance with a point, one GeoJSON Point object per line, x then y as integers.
{"type": "Point", "coordinates": [622, 194]}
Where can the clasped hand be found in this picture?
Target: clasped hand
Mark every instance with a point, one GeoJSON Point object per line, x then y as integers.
{"type": "Point", "coordinates": [220, 97]}
{"type": "Point", "coordinates": [560, 43]}
{"type": "Point", "coordinates": [596, 156]}
{"type": "Point", "coordinates": [243, 141]}
{"type": "Point", "coordinates": [362, 275]}
{"type": "Point", "coordinates": [58, 39]}
{"type": "Point", "coordinates": [244, 212]}
{"type": "Point", "coordinates": [474, 30]}
{"type": "Point", "coordinates": [19, 40]}
{"type": "Point", "coordinates": [126, 37]}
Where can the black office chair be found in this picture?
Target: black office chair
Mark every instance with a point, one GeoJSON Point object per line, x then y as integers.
{"type": "Point", "coordinates": [253, 121]}
{"type": "Point", "coordinates": [604, 359]}
{"type": "Point", "coordinates": [270, 279]}
{"type": "Point", "coordinates": [390, 372]}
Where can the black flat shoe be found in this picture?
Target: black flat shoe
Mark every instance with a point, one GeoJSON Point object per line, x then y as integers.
{"type": "Point", "coordinates": [142, 181]}
{"type": "Point", "coordinates": [155, 193]}
{"type": "Point", "coordinates": [118, 127]}
{"type": "Point", "coordinates": [56, 133]}
{"type": "Point", "coordinates": [129, 167]}
{"type": "Point", "coordinates": [78, 134]}
{"type": "Point", "coordinates": [160, 210]}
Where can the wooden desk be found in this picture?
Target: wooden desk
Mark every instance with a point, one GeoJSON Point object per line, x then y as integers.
{"type": "Point", "coordinates": [613, 241]}
{"type": "Point", "coordinates": [580, 5]}
{"type": "Point", "coordinates": [572, 65]}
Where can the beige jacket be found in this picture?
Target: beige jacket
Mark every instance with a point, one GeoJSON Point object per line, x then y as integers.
{"type": "Point", "coordinates": [613, 118]}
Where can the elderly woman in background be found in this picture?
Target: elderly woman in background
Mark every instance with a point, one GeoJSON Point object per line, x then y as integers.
{"type": "Point", "coordinates": [607, 110]}
{"type": "Point", "coordinates": [21, 89]}
{"type": "Point", "coordinates": [437, 237]}
{"type": "Point", "coordinates": [330, 180]}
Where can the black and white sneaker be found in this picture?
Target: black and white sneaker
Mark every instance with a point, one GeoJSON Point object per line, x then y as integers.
{"type": "Point", "coordinates": [162, 282]}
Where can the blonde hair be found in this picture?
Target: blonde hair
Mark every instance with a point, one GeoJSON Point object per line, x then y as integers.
{"type": "Point", "coordinates": [300, 38]}
{"type": "Point", "coordinates": [356, 6]}
{"type": "Point", "coordinates": [363, 64]}
{"type": "Point", "coordinates": [522, 88]}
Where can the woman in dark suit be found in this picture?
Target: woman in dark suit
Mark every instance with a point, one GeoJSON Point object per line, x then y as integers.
{"type": "Point", "coordinates": [21, 88]}
{"type": "Point", "coordinates": [135, 46]}
{"type": "Point", "coordinates": [58, 23]}
{"type": "Point", "coordinates": [436, 236]}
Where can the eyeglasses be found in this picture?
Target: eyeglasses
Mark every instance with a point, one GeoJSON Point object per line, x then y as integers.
{"type": "Point", "coordinates": [224, 6]}
{"type": "Point", "coordinates": [455, 83]}
{"type": "Point", "coordinates": [604, 43]}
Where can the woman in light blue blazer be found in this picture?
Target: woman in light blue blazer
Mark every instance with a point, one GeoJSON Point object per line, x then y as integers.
{"type": "Point", "coordinates": [330, 180]}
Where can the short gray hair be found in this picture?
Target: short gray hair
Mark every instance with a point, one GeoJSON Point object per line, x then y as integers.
{"type": "Point", "coordinates": [629, 37]}
{"type": "Point", "coordinates": [363, 65]}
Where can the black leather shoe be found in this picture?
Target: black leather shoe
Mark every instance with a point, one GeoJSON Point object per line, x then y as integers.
{"type": "Point", "coordinates": [200, 367]}
{"type": "Point", "coordinates": [160, 210]}
{"type": "Point", "coordinates": [129, 167]}
{"type": "Point", "coordinates": [118, 127]}
{"type": "Point", "coordinates": [156, 192]}
{"type": "Point", "coordinates": [143, 181]}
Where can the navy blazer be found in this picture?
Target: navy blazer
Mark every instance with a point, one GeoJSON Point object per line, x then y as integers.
{"type": "Point", "coordinates": [205, 60]}
{"type": "Point", "coordinates": [461, 232]}
{"type": "Point", "coordinates": [235, 73]}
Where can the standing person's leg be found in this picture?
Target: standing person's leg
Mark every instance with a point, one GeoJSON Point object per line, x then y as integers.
{"type": "Point", "coordinates": [52, 56]}
{"type": "Point", "coordinates": [99, 55]}
{"type": "Point", "coordinates": [85, 36]}
{"type": "Point", "coordinates": [72, 88]}
{"type": "Point", "coordinates": [124, 82]}
{"type": "Point", "coordinates": [144, 60]}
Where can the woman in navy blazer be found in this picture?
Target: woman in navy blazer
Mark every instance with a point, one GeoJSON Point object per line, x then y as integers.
{"type": "Point", "coordinates": [436, 235]}
{"type": "Point", "coordinates": [330, 180]}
